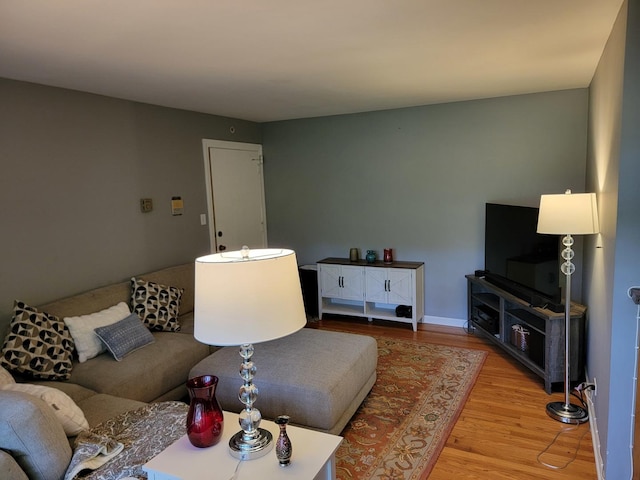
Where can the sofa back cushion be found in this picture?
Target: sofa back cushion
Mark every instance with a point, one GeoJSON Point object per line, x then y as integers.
{"type": "Point", "coordinates": [31, 433]}
{"type": "Point", "coordinates": [90, 302]}
{"type": "Point", "coordinates": [181, 276]}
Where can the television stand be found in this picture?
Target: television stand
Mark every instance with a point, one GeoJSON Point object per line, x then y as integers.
{"type": "Point", "coordinates": [532, 335]}
{"type": "Point", "coordinates": [533, 298]}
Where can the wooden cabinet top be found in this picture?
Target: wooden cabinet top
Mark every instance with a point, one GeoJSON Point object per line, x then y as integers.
{"type": "Point", "coordinates": [377, 263]}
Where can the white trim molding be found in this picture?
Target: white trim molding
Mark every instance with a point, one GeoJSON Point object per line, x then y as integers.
{"type": "Point", "coordinates": [444, 321]}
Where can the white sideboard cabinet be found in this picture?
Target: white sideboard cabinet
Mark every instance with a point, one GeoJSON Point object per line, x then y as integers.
{"type": "Point", "coordinates": [371, 290]}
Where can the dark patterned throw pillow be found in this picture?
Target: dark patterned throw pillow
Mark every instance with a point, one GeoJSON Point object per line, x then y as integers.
{"type": "Point", "coordinates": [38, 344]}
{"type": "Point", "coordinates": [158, 306]}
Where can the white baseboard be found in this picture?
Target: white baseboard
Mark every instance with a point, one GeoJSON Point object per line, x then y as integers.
{"type": "Point", "coordinates": [595, 436]}
{"type": "Point", "coordinates": [445, 321]}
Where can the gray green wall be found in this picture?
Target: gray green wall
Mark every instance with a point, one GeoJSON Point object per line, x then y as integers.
{"type": "Point", "coordinates": [417, 180]}
{"type": "Point", "coordinates": [74, 167]}
{"type": "Point", "coordinates": [614, 156]}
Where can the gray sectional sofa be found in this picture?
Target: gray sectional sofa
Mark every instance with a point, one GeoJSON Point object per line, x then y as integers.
{"type": "Point", "coordinates": [101, 386]}
{"type": "Point", "coordinates": [327, 389]}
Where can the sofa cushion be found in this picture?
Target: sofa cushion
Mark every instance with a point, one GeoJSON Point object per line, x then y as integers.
{"type": "Point", "coordinates": [30, 432]}
{"type": "Point", "coordinates": [317, 377]}
{"type": "Point", "coordinates": [145, 374]}
{"type": "Point", "coordinates": [125, 336]}
{"type": "Point", "coordinates": [38, 344]}
{"type": "Point", "coordinates": [186, 324]}
{"type": "Point", "coordinates": [102, 407]}
{"type": "Point", "coordinates": [10, 468]}
{"type": "Point", "coordinates": [157, 305]}
{"type": "Point", "coordinates": [76, 392]}
{"type": "Point", "coordinates": [89, 302]}
{"type": "Point", "coordinates": [180, 276]}
{"type": "Point", "coordinates": [67, 412]}
{"type": "Point", "coordinates": [5, 377]}
{"type": "Point", "coordinates": [82, 329]}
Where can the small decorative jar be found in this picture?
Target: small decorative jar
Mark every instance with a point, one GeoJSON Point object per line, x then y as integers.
{"type": "Point", "coordinates": [354, 256]}
{"type": "Point", "coordinates": [283, 444]}
{"type": "Point", "coordinates": [205, 419]}
{"type": "Point", "coordinates": [388, 255]}
{"type": "Point", "coordinates": [371, 256]}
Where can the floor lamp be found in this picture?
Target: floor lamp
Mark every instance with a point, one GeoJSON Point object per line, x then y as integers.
{"type": "Point", "coordinates": [241, 298]}
{"type": "Point", "coordinates": [568, 214]}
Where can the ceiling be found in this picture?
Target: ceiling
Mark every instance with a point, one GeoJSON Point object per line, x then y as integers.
{"type": "Point", "coordinates": [266, 60]}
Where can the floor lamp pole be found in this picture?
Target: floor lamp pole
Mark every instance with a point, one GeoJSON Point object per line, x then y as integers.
{"type": "Point", "coordinates": [565, 411]}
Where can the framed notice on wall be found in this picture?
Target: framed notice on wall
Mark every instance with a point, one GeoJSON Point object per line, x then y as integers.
{"type": "Point", "coordinates": [177, 206]}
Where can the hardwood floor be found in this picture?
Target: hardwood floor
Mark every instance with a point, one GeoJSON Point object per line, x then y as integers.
{"type": "Point", "coordinates": [503, 428]}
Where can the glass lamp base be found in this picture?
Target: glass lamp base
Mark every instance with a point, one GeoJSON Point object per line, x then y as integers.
{"type": "Point", "coordinates": [567, 412]}
{"type": "Point", "coordinates": [252, 449]}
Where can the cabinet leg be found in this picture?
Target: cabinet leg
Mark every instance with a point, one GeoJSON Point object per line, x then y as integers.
{"type": "Point", "coordinates": [370, 319]}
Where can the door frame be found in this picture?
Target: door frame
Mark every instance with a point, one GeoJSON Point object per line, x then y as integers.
{"type": "Point", "coordinates": [223, 144]}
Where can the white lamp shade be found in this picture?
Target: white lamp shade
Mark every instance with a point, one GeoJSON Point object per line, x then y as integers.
{"type": "Point", "coordinates": [568, 213]}
{"type": "Point", "coordinates": [252, 300]}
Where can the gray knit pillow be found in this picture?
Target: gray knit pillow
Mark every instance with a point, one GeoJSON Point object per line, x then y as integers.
{"type": "Point", "coordinates": [125, 336]}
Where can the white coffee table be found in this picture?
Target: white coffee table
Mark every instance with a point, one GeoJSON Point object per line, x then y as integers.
{"type": "Point", "coordinates": [313, 457]}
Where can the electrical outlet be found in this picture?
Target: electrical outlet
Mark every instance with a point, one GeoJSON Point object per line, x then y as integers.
{"type": "Point", "coordinates": [595, 387]}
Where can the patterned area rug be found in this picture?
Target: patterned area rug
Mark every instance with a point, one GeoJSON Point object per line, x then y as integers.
{"type": "Point", "coordinates": [402, 426]}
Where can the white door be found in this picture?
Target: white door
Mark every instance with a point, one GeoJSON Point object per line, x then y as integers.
{"type": "Point", "coordinates": [235, 195]}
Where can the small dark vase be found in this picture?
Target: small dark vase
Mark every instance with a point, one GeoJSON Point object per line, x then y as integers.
{"type": "Point", "coordinates": [371, 256]}
{"type": "Point", "coordinates": [205, 420]}
{"type": "Point", "coordinates": [283, 444]}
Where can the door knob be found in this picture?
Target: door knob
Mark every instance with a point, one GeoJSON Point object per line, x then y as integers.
{"type": "Point", "coordinates": [222, 248]}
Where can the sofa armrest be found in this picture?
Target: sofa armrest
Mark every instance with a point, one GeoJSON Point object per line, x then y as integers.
{"type": "Point", "coordinates": [10, 468]}
{"type": "Point", "coordinates": [33, 436]}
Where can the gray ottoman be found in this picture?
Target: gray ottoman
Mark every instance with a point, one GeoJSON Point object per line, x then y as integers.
{"type": "Point", "coordinates": [317, 377]}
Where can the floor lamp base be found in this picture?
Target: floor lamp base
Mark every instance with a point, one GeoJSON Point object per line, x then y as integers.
{"type": "Point", "coordinates": [567, 413]}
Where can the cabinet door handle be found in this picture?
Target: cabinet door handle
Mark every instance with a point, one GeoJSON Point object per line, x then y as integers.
{"type": "Point", "coordinates": [389, 285]}
{"type": "Point", "coordinates": [340, 281]}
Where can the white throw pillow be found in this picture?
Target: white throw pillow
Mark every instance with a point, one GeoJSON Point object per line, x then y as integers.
{"type": "Point", "coordinates": [5, 378]}
{"type": "Point", "coordinates": [88, 345]}
{"type": "Point", "coordinates": [71, 417]}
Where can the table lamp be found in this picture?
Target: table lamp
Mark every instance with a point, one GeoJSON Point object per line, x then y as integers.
{"type": "Point", "coordinates": [568, 214]}
{"type": "Point", "coordinates": [241, 298]}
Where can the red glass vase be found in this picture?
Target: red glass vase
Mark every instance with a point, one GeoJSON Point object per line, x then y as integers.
{"type": "Point", "coordinates": [205, 420]}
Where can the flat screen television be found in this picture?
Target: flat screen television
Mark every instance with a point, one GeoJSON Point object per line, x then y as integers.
{"type": "Point", "coordinates": [520, 260]}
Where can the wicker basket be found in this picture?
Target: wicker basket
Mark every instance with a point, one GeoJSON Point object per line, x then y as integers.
{"type": "Point", "coordinates": [520, 337]}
